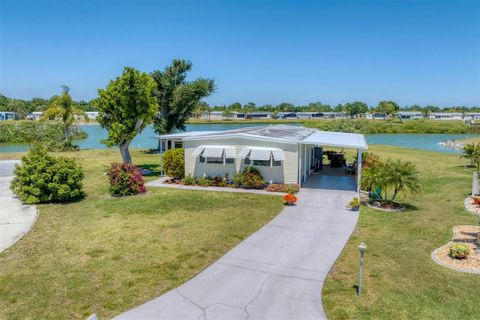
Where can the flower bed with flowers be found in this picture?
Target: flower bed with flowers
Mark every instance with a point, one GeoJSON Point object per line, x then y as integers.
{"type": "Point", "coordinates": [125, 180]}
{"type": "Point", "coordinates": [290, 199]}
{"type": "Point", "coordinates": [250, 178]}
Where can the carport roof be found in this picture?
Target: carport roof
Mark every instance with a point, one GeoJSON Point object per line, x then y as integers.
{"type": "Point", "coordinates": [336, 139]}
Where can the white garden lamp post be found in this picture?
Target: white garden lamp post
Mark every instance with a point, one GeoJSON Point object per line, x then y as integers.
{"type": "Point", "coordinates": [362, 247]}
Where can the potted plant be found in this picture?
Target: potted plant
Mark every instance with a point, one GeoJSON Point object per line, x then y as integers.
{"type": "Point", "coordinates": [290, 199]}
{"type": "Point", "coordinates": [354, 204]}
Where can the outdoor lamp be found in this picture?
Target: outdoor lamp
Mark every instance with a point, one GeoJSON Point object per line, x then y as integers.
{"type": "Point", "coordinates": [362, 247]}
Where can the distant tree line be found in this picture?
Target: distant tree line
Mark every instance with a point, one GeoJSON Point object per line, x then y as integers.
{"type": "Point", "coordinates": [354, 109]}
{"type": "Point", "coordinates": [24, 107]}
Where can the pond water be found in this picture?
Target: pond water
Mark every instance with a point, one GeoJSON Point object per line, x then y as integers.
{"type": "Point", "coordinates": [144, 140]}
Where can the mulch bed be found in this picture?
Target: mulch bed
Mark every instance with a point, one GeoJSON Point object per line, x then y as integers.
{"type": "Point", "coordinates": [470, 207]}
{"type": "Point", "coordinates": [464, 235]}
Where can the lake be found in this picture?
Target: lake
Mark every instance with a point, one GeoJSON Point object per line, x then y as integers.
{"type": "Point", "coordinates": [144, 140]}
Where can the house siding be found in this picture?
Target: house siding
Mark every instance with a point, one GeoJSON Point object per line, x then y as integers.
{"type": "Point", "coordinates": [287, 173]}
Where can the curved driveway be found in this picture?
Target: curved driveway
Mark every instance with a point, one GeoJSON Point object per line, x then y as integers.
{"type": "Point", "coordinates": [277, 272]}
{"type": "Point", "coordinates": [16, 219]}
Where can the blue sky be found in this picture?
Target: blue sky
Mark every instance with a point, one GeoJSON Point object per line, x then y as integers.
{"type": "Point", "coordinates": [425, 52]}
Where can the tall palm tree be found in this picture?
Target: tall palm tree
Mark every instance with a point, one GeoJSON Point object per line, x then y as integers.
{"type": "Point", "coordinates": [64, 110]}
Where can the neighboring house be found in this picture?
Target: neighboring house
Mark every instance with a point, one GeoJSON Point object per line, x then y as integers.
{"type": "Point", "coordinates": [252, 115]}
{"type": "Point", "coordinates": [36, 115]}
{"type": "Point", "coordinates": [377, 116]}
{"type": "Point", "coordinates": [309, 115]}
{"type": "Point", "coordinates": [6, 115]}
{"type": "Point", "coordinates": [92, 115]}
{"type": "Point", "coordinates": [213, 115]}
{"type": "Point", "coordinates": [283, 154]}
{"type": "Point", "coordinates": [406, 115]}
{"type": "Point", "coordinates": [286, 115]}
{"type": "Point", "coordinates": [446, 115]}
{"type": "Point", "coordinates": [335, 115]}
{"type": "Point", "coordinates": [472, 116]}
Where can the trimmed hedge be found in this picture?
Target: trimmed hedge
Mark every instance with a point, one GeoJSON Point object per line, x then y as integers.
{"type": "Point", "coordinates": [34, 131]}
{"type": "Point", "coordinates": [174, 163]}
{"type": "Point", "coordinates": [42, 178]}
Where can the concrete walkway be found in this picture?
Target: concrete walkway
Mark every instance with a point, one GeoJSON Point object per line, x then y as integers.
{"type": "Point", "coordinates": [276, 273]}
{"type": "Point", "coordinates": [16, 219]}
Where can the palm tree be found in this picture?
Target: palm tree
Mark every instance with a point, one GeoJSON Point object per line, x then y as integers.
{"type": "Point", "coordinates": [394, 177]}
{"type": "Point", "coordinates": [62, 108]}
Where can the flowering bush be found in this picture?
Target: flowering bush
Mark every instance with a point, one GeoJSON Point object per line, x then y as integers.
{"type": "Point", "coordinates": [280, 187]}
{"type": "Point", "coordinates": [290, 198]}
{"type": "Point", "coordinates": [125, 180]}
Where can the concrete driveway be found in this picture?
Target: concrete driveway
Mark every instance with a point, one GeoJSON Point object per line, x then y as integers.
{"type": "Point", "coordinates": [16, 219]}
{"type": "Point", "coordinates": [276, 273]}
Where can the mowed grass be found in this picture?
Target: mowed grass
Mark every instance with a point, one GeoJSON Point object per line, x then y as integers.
{"type": "Point", "coordinates": [401, 280]}
{"type": "Point", "coordinates": [107, 255]}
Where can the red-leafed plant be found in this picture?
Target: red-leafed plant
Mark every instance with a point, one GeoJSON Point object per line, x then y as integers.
{"type": "Point", "coordinates": [290, 199]}
{"type": "Point", "coordinates": [476, 201]}
{"type": "Point", "coordinates": [125, 180]}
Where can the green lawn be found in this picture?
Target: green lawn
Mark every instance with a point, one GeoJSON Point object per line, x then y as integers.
{"type": "Point", "coordinates": [107, 255]}
{"type": "Point", "coordinates": [401, 280]}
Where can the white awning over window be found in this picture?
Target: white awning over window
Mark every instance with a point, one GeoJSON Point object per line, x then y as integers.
{"type": "Point", "coordinates": [262, 153]}
{"type": "Point", "coordinates": [215, 151]}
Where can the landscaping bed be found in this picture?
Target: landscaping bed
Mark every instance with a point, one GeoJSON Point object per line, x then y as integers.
{"type": "Point", "coordinates": [224, 183]}
{"type": "Point", "coordinates": [461, 235]}
{"type": "Point", "coordinates": [385, 206]}
{"type": "Point", "coordinates": [472, 206]}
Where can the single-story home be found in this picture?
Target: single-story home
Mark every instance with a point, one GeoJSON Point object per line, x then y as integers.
{"type": "Point", "coordinates": [282, 153]}
{"type": "Point", "coordinates": [36, 115]}
{"type": "Point", "coordinates": [410, 115]}
{"type": "Point", "coordinates": [7, 115]}
{"type": "Point", "coordinates": [446, 116]}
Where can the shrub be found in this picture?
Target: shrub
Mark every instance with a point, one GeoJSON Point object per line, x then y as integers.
{"type": "Point", "coordinates": [280, 187]}
{"type": "Point", "coordinates": [188, 180]}
{"type": "Point", "coordinates": [238, 179]}
{"type": "Point", "coordinates": [289, 198]}
{"type": "Point", "coordinates": [174, 163]}
{"type": "Point", "coordinates": [125, 180]}
{"type": "Point", "coordinates": [42, 178]}
{"type": "Point", "coordinates": [252, 179]}
{"type": "Point", "coordinates": [204, 182]}
{"type": "Point", "coordinates": [459, 251]}
{"type": "Point", "coordinates": [476, 201]}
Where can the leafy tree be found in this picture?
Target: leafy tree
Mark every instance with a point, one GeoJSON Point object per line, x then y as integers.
{"type": "Point", "coordinates": [126, 106]}
{"type": "Point", "coordinates": [472, 152]}
{"type": "Point", "coordinates": [236, 106]}
{"type": "Point", "coordinates": [388, 107]}
{"type": "Point", "coordinates": [356, 108]}
{"type": "Point", "coordinates": [176, 97]}
{"type": "Point", "coordinates": [62, 108]}
{"type": "Point", "coordinates": [285, 107]}
{"type": "Point", "coordinates": [19, 106]}
{"type": "Point", "coordinates": [201, 109]}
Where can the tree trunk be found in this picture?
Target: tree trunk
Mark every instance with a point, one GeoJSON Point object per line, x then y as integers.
{"type": "Point", "coordinates": [125, 152]}
{"type": "Point", "coordinates": [126, 143]}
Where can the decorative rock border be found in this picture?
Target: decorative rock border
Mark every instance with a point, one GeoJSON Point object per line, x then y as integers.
{"type": "Point", "coordinates": [368, 204]}
{"type": "Point", "coordinates": [469, 207]}
{"type": "Point", "coordinates": [436, 253]}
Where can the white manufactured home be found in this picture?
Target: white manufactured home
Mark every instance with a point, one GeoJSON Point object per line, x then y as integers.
{"type": "Point", "coordinates": [282, 153]}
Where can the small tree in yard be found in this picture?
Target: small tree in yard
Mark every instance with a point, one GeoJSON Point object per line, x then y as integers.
{"type": "Point", "coordinates": [394, 177]}
{"type": "Point", "coordinates": [174, 163]}
{"type": "Point", "coordinates": [472, 152]}
{"type": "Point", "coordinates": [177, 98]}
{"type": "Point", "coordinates": [125, 108]}
{"type": "Point", "coordinates": [62, 108]}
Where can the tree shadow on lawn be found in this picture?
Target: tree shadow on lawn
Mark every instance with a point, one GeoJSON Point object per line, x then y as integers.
{"type": "Point", "coordinates": [154, 170]}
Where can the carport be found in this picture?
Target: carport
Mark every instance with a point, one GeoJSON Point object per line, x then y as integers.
{"type": "Point", "coordinates": [311, 151]}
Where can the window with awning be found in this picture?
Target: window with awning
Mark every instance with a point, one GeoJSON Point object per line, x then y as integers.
{"type": "Point", "coordinates": [262, 156]}
{"type": "Point", "coordinates": [215, 154]}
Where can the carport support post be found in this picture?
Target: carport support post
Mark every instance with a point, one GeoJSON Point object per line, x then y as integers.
{"type": "Point", "coordinates": [359, 170]}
